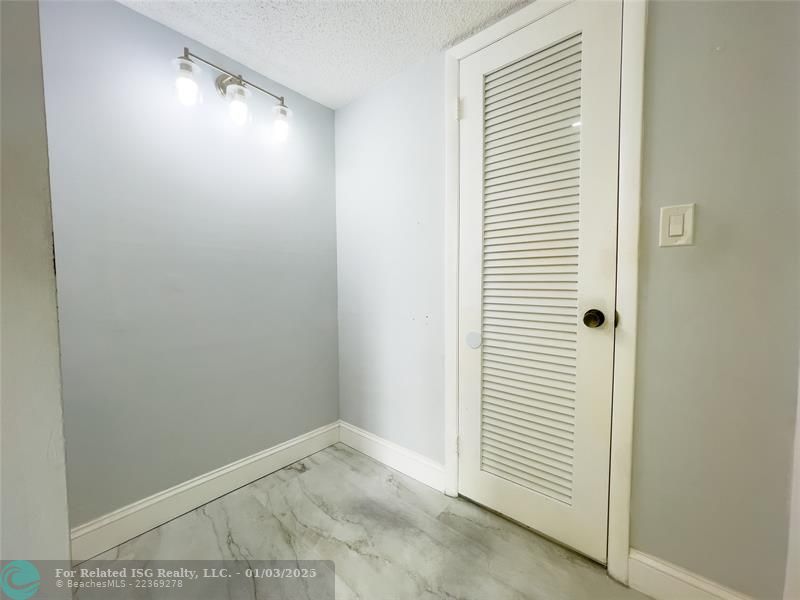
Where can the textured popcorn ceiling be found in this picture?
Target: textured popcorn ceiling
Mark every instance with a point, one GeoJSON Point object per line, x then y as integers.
{"type": "Point", "coordinates": [329, 50]}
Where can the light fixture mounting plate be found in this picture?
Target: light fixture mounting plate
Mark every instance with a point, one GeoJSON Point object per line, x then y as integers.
{"type": "Point", "coordinates": [223, 81]}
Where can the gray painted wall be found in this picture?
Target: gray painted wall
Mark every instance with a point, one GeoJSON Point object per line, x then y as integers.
{"type": "Point", "coordinates": [196, 262]}
{"type": "Point", "coordinates": [390, 224]}
{"type": "Point", "coordinates": [718, 340]}
{"type": "Point", "coordinates": [33, 516]}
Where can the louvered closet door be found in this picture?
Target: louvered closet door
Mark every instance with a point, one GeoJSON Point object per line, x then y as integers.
{"type": "Point", "coordinates": [538, 197]}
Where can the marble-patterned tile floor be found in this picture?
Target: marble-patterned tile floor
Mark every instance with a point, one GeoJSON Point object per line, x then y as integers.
{"type": "Point", "coordinates": [390, 537]}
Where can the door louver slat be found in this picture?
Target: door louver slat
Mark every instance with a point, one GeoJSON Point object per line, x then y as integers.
{"type": "Point", "coordinates": [505, 438]}
{"type": "Point", "coordinates": [515, 394]}
{"type": "Point", "coordinates": [541, 144]}
{"type": "Point", "coordinates": [550, 477]}
{"type": "Point", "coordinates": [521, 164]}
{"type": "Point", "coordinates": [542, 93]}
{"type": "Point", "coordinates": [526, 449]}
{"type": "Point", "coordinates": [537, 431]}
{"type": "Point", "coordinates": [536, 59]}
{"type": "Point", "coordinates": [552, 473]}
{"type": "Point", "coordinates": [544, 199]}
{"type": "Point", "coordinates": [524, 212]}
{"type": "Point", "coordinates": [514, 373]}
{"type": "Point", "coordinates": [530, 269]}
{"type": "Point", "coordinates": [528, 81]}
{"type": "Point", "coordinates": [524, 478]}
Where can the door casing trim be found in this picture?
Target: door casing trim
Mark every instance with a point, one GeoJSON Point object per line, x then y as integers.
{"type": "Point", "coordinates": [634, 18]}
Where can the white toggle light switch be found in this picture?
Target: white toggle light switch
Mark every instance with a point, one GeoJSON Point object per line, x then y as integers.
{"type": "Point", "coordinates": [677, 225]}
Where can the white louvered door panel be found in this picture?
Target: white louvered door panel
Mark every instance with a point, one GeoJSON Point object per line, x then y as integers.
{"type": "Point", "coordinates": [539, 140]}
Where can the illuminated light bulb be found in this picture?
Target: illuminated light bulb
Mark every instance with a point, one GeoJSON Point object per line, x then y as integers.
{"type": "Point", "coordinates": [188, 91]}
{"type": "Point", "coordinates": [237, 107]}
{"type": "Point", "coordinates": [280, 124]}
{"type": "Point", "coordinates": [238, 112]}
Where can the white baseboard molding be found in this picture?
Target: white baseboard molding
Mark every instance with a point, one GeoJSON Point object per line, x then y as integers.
{"type": "Point", "coordinates": [664, 581]}
{"type": "Point", "coordinates": [652, 576]}
{"type": "Point", "coordinates": [108, 531]}
{"type": "Point", "coordinates": [392, 455]}
{"type": "Point", "coordinates": [115, 528]}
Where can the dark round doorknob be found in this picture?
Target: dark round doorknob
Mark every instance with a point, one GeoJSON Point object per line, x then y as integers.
{"type": "Point", "coordinates": [593, 318]}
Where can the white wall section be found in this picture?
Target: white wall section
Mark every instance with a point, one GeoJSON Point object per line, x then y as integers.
{"type": "Point", "coordinates": [33, 516]}
{"type": "Point", "coordinates": [196, 262]}
{"type": "Point", "coordinates": [390, 227]}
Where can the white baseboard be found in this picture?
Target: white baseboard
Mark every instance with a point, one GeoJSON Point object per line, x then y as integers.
{"type": "Point", "coordinates": [112, 529]}
{"type": "Point", "coordinates": [108, 531]}
{"type": "Point", "coordinates": [664, 581]}
{"type": "Point", "coordinates": [392, 455]}
{"type": "Point", "coordinates": [652, 576]}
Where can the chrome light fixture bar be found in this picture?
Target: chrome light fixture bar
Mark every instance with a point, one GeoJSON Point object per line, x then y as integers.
{"type": "Point", "coordinates": [227, 77]}
{"type": "Point", "coordinates": [230, 86]}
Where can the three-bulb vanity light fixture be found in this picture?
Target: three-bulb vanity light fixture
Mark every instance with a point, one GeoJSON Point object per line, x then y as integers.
{"type": "Point", "coordinates": [234, 88]}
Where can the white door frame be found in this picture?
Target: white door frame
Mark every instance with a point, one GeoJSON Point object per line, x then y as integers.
{"type": "Point", "coordinates": [632, 84]}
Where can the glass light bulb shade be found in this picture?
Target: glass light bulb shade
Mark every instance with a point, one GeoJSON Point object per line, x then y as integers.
{"type": "Point", "coordinates": [186, 87]}
{"type": "Point", "coordinates": [280, 123]}
{"type": "Point", "coordinates": [237, 107]}
{"type": "Point", "coordinates": [187, 90]}
{"type": "Point", "coordinates": [280, 131]}
{"type": "Point", "coordinates": [238, 111]}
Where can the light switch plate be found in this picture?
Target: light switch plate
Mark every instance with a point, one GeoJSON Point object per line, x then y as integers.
{"type": "Point", "coordinates": [681, 216]}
